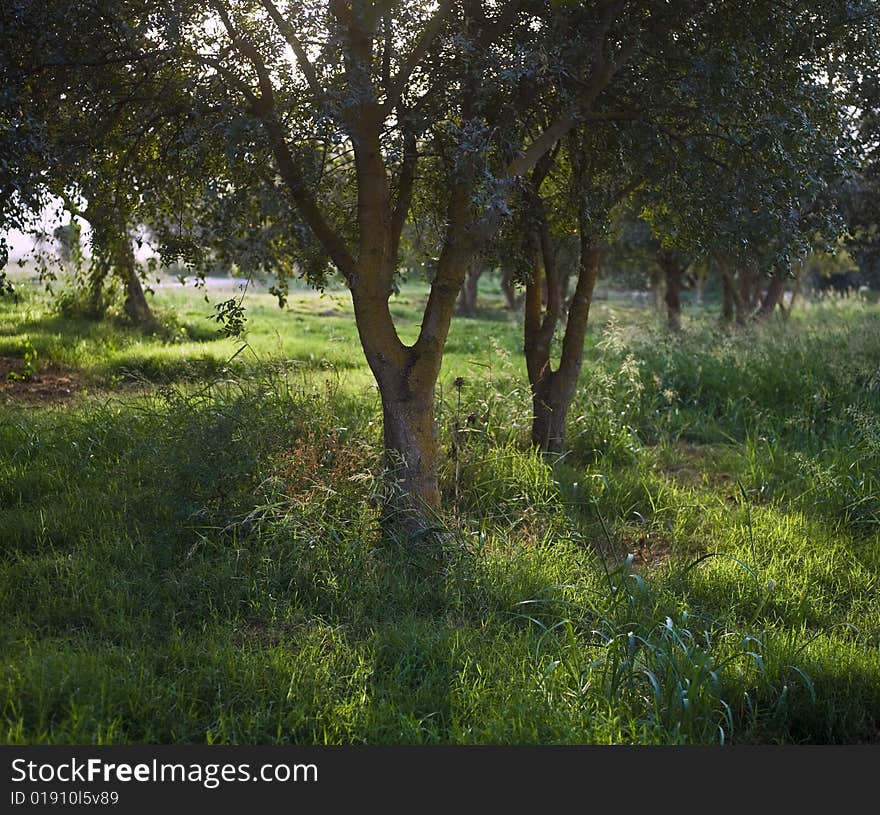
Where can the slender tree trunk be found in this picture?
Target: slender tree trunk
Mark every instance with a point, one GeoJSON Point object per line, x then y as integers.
{"type": "Point", "coordinates": [728, 294]}
{"type": "Point", "coordinates": [673, 273]}
{"type": "Point", "coordinates": [509, 288]}
{"type": "Point", "coordinates": [467, 299]}
{"type": "Point", "coordinates": [553, 391]}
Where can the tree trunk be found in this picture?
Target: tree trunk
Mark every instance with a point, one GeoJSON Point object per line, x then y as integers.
{"type": "Point", "coordinates": [136, 306]}
{"type": "Point", "coordinates": [411, 456]}
{"type": "Point", "coordinates": [467, 300]}
{"type": "Point", "coordinates": [508, 287]}
{"type": "Point", "coordinates": [773, 295]}
{"type": "Point", "coordinates": [550, 411]}
{"type": "Point", "coordinates": [728, 294]}
{"type": "Point", "coordinates": [96, 306]}
{"type": "Point", "coordinates": [743, 296]}
{"type": "Point", "coordinates": [673, 274]}
{"type": "Point", "coordinates": [553, 391]}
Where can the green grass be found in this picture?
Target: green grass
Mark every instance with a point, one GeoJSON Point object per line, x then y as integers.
{"type": "Point", "coordinates": [190, 544]}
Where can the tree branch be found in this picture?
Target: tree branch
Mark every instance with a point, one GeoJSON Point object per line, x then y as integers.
{"type": "Point", "coordinates": [404, 191]}
{"type": "Point", "coordinates": [287, 31]}
{"type": "Point", "coordinates": [432, 29]}
{"type": "Point", "coordinates": [247, 50]}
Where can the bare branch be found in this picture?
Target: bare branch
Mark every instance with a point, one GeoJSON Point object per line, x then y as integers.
{"type": "Point", "coordinates": [306, 204]}
{"type": "Point", "coordinates": [232, 79]}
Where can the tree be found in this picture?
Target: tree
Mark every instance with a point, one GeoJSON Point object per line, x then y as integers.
{"type": "Point", "coordinates": [672, 128]}
{"type": "Point", "coordinates": [378, 92]}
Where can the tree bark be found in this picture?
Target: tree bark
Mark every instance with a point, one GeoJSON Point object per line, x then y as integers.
{"type": "Point", "coordinates": [411, 456]}
{"type": "Point", "coordinates": [550, 412]}
{"type": "Point", "coordinates": [136, 306]}
{"type": "Point", "coordinates": [467, 299]}
{"type": "Point", "coordinates": [773, 295]}
{"type": "Point", "coordinates": [673, 274]}
{"type": "Point", "coordinates": [553, 391]}
{"type": "Point", "coordinates": [728, 294]}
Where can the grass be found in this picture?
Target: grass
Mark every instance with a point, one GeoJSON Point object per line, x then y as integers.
{"type": "Point", "coordinates": [190, 547]}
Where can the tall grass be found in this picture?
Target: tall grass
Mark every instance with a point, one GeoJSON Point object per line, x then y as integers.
{"type": "Point", "coordinates": [200, 560]}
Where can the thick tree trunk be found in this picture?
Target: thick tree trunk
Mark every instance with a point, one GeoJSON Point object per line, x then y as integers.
{"type": "Point", "coordinates": [550, 411]}
{"type": "Point", "coordinates": [411, 455]}
{"type": "Point", "coordinates": [467, 299]}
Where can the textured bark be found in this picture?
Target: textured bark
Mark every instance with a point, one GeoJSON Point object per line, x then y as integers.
{"type": "Point", "coordinates": [411, 453]}
{"type": "Point", "coordinates": [550, 411]}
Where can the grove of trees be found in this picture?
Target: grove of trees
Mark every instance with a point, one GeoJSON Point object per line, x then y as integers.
{"type": "Point", "coordinates": [343, 137]}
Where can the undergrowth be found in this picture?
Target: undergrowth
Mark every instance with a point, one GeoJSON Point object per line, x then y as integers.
{"type": "Point", "coordinates": [201, 561]}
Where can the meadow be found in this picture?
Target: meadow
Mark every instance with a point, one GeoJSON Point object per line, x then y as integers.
{"type": "Point", "coordinates": [190, 550]}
